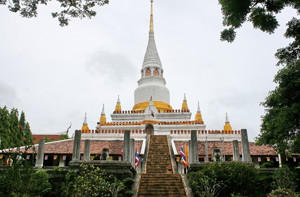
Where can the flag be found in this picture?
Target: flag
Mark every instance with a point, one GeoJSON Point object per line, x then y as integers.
{"type": "Point", "coordinates": [183, 157]}
{"type": "Point", "coordinates": [137, 158]}
{"type": "Point", "coordinates": [186, 151]}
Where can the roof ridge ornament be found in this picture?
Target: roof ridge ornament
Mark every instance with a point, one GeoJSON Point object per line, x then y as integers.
{"type": "Point", "coordinates": [151, 17]}
{"type": "Point", "coordinates": [85, 119]}
{"type": "Point", "coordinates": [103, 109]}
{"type": "Point", "coordinates": [226, 118]}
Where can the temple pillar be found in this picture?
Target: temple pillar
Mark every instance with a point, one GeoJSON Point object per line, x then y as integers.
{"type": "Point", "coordinates": [76, 146]}
{"type": "Point", "coordinates": [194, 147]}
{"type": "Point", "coordinates": [132, 153]}
{"type": "Point", "coordinates": [245, 146]}
{"type": "Point", "coordinates": [206, 151]}
{"type": "Point", "coordinates": [279, 160]}
{"type": "Point", "coordinates": [236, 151]}
{"type": "Point", "coordinates": [87, 151]}
{"type": "Point", "coordinates": [126, 146]}
{"type": "Point", "coordinates": [190, 151]}
{"type": "Point", "coordinates": [62, 162]}
{"type": "Point", "coordinates": [40, 155]}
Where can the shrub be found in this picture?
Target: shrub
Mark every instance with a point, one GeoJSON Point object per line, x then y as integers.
{"type": "Point", "coordinates": [93, 182]}
{"type": "Point", "coordinates": [127, 189]}
{"type": "Point", "coordinates": [231, 177]}
{"type": "Point", "coordinates": [284, 178]}
{"type": "Point", "coordinates": [205, 186]}
{"type": "Point", "coordinates": [281, 192]}
{"type": "Point", "coordinates": [14, 179]}
{"type": "Point", "coordinates": [38, 184]}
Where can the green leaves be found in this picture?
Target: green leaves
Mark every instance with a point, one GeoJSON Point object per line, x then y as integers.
{"type": "Point", "coordinates": [234, 12]}
{"type": "Point", "coordinates": [38, 184]}
{"type": "Point", "coordinates": [282, 119]}
{"type": "Point", "coordinates": [262, 20]}
{"type": "Point", "coordinates": [227, 177]}
{"type": "Point", "coordinates": [228, 35]}
{"type": "Point", "coordinates": [77, 9]}
{"type": "Point", "coordinates": [281, 123]}
{"type": "Point", "coordinates": [92, 181]}
{"type": "Point", "coordinates": [14, 132]}
{"type": "Point", "coordinates": [262, 14]}
{"type": "Point", "coordinates": [69, 8]}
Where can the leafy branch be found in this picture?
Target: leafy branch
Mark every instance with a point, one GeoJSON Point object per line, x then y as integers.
{"type": "Point", "coordinates": [70, 8]}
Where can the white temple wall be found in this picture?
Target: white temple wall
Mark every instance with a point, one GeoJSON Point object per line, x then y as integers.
{"type": "Point", "coordinates": [158, 93]}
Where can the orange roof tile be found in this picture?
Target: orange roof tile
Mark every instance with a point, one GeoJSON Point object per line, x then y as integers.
{"type": "Point", "coordinates": [37, 138]}
{"type": "Point", "coordinates": [96, 146]}
{"type": "Point", "coordinates": [255, 150]}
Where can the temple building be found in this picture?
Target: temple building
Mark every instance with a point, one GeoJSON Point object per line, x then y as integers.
{"type": "Point", "coordinates": [152, 114]}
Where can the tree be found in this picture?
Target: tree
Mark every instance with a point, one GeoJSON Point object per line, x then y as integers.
{"type": "Point", "coordinates": [262, 14]}
{"type": "Point", "coordinates": [4, 125]}
{"type": "Point", "coordinates": [70, 8]}
{"type": "Point", "coordinates": [281, 122]}
{"type": "Point", "coordinates": [14, 131]}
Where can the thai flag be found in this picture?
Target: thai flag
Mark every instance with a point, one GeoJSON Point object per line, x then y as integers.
{"type": "Point", "coordinates": [137, 158]}
{"type": "Point", "coordinates": [183, 156]}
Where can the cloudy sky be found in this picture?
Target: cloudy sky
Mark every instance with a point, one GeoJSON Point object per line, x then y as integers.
{"type": "Point", "coordinates": [57, 74]}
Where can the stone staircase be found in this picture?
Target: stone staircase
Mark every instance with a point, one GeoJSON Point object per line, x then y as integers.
{"type": "Point", "coordinates": [159, 179]}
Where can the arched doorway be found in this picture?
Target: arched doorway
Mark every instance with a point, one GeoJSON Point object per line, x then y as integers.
{"type": "Point", "coordinates": [149, 129]}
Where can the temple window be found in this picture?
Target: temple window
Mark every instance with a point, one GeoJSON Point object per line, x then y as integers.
{"type": "Point", "coordinates": [148, 72]}
{"type": "Point", "coordinates": [156, 72]}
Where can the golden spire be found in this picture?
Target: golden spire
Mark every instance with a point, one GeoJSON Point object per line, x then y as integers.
{"type": "Point", "coordinates": [227, 126]}
{"type": "Point", "coordinates": [151, 17]}
{"type": "Point", "coordinates": [184, 106]}
{"type": "Point", "coordinates": [85, 127]}
{"type": "Point", "coordinates": [102, 117]}
{"type": "Point", "coordinates": [118, 105]}
{"type": "Point", "coordinates": [198, 116]}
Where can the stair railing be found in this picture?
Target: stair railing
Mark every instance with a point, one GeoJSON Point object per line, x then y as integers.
{"type": "Point", "coordinates": [146, 153]}
{"type": "Point", "coordinates": [171, 152]}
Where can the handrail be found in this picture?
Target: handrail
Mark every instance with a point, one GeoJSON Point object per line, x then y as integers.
{"type": "Point", "coordinates": [172, 156]}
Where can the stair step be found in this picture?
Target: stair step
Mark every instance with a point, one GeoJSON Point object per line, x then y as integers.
{"type": "Point", "coordinates": [163, 193]}
{"type": "Point", "coordinates": [174, 185]}
{"type": "Point", "coordinates": [159, 179]}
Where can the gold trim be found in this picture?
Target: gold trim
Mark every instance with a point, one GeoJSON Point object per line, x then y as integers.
{"type": "Point", "coordinates": [161, 106]}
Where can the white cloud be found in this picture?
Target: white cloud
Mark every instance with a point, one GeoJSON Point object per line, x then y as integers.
{"type": "Point", "coordinates": [116, 68]}
{"type": "Point", "coordinates": [8, 95]}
